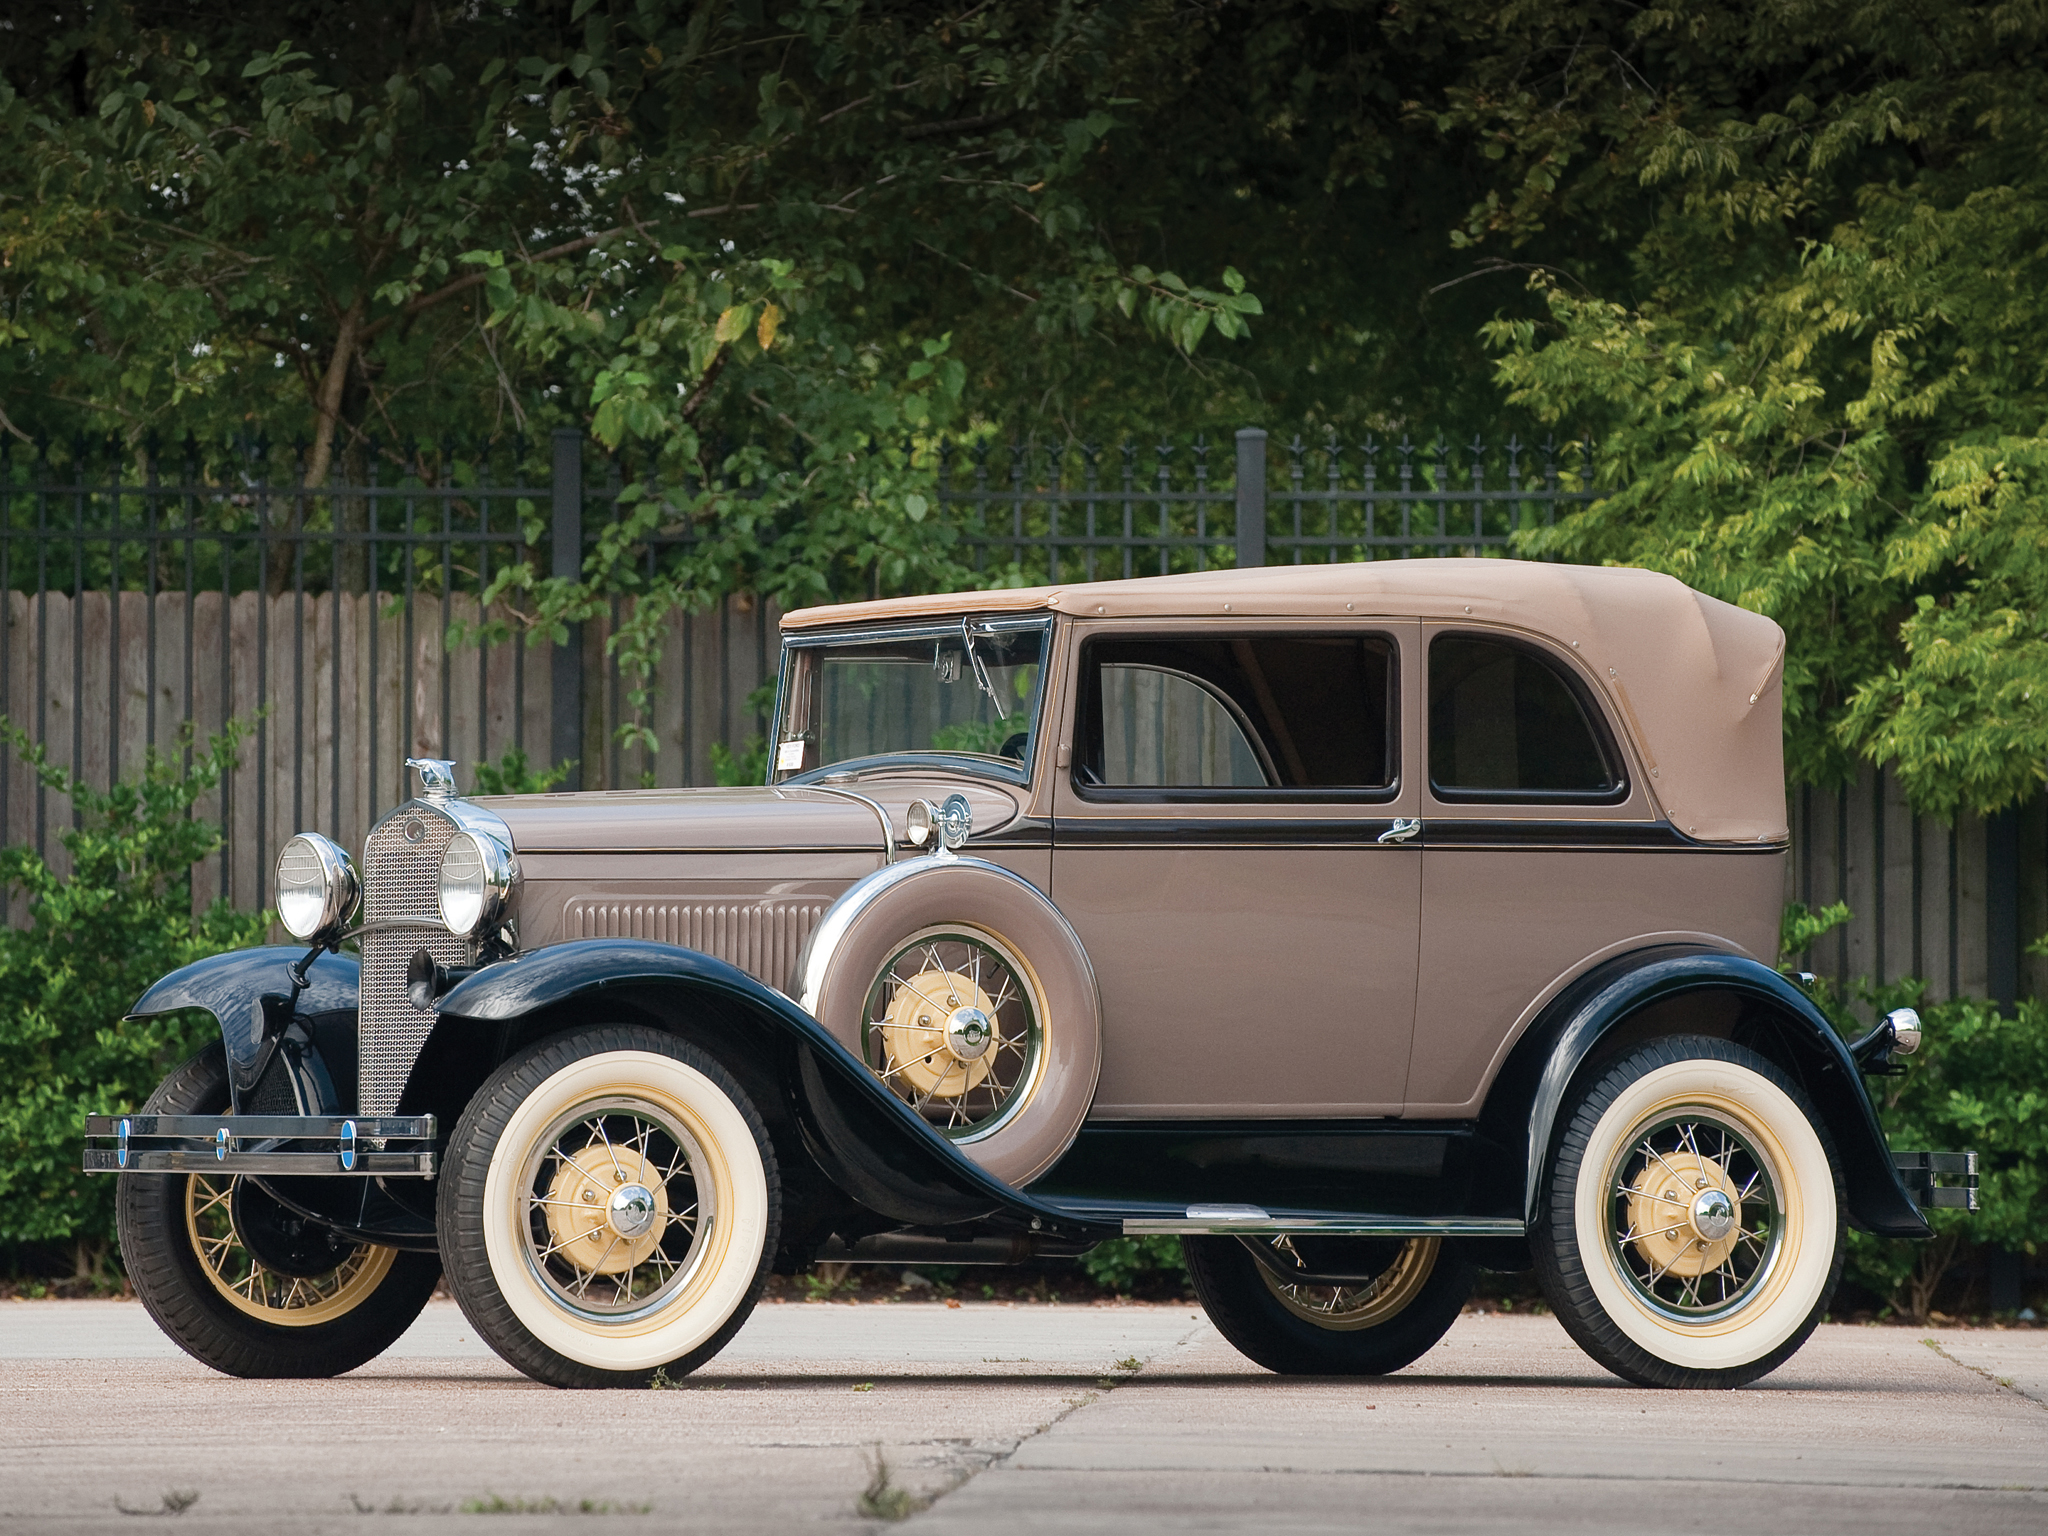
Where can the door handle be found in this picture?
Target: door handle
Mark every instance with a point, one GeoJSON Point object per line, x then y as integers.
{"type": "Point", "coordinates": [1404, 827]}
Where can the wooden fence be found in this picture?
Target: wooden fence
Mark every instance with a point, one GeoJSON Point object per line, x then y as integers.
{"type": "Point", "coordinates": [337, 704]}
{"type": "Point", "coordinates": [1953, 904]}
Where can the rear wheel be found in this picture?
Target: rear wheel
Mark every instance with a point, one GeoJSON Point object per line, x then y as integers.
{"type": "Point", "coordinates": [1397, 1297]}
{"type": "Point", "coordinates": [240, 1282]}
{"type": "Point", "coordinates": [1692, 1233]}
{"type": "Point", "coordinates": [608, 1208]}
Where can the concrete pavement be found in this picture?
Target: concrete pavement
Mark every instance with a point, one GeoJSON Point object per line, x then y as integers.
{"type": "Point", "coordinates": [1021, 1418]}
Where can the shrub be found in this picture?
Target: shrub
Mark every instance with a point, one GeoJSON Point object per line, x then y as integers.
{"type": "Point", "coordinates": [1123, 1263]}
{"type": "Point", "coordinates": [513, 774]}
{"type": "Point", "coordinates": [1979, 1081]}
{"type": "Point", "coordinates": [95, 940]}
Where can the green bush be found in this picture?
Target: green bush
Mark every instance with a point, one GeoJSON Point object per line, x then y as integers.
{"type": "Point", "coordinates": [1123, 1263]}
{"type": "Point", "coordinates": [95, 940]}
{"type": "Point", "coordinates": [1979, 1082]}
{"type": "Point", "coordinates": [513, 774]}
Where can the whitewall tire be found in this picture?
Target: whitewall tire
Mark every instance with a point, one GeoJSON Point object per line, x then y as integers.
{"type": "Point", "coordinates": [1691, 1234]}
{"type": "Point", "coordinates": [609, 1207]}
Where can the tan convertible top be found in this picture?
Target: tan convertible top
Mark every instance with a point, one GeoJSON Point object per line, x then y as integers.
{"type": "Point", "coordinates": [1695, 680]}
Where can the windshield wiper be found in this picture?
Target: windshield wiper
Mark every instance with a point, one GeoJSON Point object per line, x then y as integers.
{"type": "Point", "coordinates": [981, 672]}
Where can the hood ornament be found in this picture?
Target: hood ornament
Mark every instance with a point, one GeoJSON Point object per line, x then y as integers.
{"type": "Point", "coordinates": [437, 776]}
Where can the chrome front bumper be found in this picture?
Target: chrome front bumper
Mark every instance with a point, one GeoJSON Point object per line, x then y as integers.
{"type": "Point", "coordinates": [1918, 1171]}
{"type": "Point", "coordinates": [337, 1146]}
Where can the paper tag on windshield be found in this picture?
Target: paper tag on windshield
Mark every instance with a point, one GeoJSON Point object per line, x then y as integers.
{"type": "Point", "coordinates": [789, 756]}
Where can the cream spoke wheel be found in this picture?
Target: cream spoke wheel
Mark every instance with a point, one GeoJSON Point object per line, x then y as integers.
{"type": "Point", "coordinates": [1365, 1305]}
{"type": "Point", "coordinates": [1694, 1201]}
{"type": "Point", "coordinates": [285, 1300]}
{"type": "Point", "coordinates": [955, 1027]}
{"type": "Point", "coordinates": [614, 1216]}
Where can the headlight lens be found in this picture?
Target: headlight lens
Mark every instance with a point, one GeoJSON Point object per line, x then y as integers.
{"type": "Point", "coordinates": [476, 882]}
{"type": "Point", "coordinates": [317, 887]}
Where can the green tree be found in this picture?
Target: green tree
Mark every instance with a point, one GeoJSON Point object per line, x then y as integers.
{"type": "Point", "coordinates": [1820, 392]}
{"type": "Point", "coordinates": [96, 939]}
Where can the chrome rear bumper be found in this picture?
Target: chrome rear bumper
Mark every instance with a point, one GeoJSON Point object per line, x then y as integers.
{"type": "Point", "coordinates": [336, 1146]}
{"type": "Point", "coordinates": [1918, 1171]}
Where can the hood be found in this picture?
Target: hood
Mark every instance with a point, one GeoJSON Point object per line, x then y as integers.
{"type": "Point", "coordinates": [684, 820]}
{"type": "Point", "coordinates": [789, 818]}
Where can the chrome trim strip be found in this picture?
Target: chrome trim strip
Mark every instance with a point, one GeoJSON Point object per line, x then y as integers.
{"type": "Point", "coordinates": [1326, 1226]}
{"type": "Point", "coordinates": [253, 1127]}
{"type": "Point", "coordinates": [881, 815]}
{"type": "Point", "coordinates": [297, 1165]}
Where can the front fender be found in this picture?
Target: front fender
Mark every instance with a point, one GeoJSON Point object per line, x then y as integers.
{"type": "Point", "coordinates": [252, 999]}
{"type": "Point", "coordinates": [872, 1143]}
{"type": "Point", "coordinates": [1541, 1070]}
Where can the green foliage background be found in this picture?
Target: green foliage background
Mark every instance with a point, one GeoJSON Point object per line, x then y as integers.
{"type": "Point", "coordinates": [95, 941]}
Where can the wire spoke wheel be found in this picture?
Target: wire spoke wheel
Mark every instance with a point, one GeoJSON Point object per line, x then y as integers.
{"type": "Point", "coordinates": [955, 1027]}
{"type": "Point", "coordinates": [1365, 1305]}
{"type": "Point", "coordinates": [1689, 1231]}
{"type": "Point", "coordinates": [1694, 1215]}
{"type": "Point", "coordinates": [614, 1214]}
{"type": "Point", "coordinates": [251, 1286]}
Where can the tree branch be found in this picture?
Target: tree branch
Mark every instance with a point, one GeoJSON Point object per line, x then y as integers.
{"type": "Point", "coordinates": [475, 280]}
{"type": "Point", "coordinates": [328, 401]}
{"type": "Point", "coordinates": [954, 125]}
{"type": "Point", "coordinates": [703, 390]}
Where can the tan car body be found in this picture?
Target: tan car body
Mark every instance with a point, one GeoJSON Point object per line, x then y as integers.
{"type": "Point", "coordinates": [1278, 964]}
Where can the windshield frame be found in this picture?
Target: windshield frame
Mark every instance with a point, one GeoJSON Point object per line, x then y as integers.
{"type": "Point", "coordinates": [1005, 772]}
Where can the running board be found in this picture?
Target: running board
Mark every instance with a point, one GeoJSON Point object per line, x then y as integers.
{"type": "Point", "coordinates": [332, 1146]}
{"type": "Point", "coordinates": [1161, 1220]}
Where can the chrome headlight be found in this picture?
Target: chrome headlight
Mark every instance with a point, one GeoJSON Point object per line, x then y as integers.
{"type": "Point", "coordinates": [477, 875]}
{"type": "Point", "coordinates": [317, 887]}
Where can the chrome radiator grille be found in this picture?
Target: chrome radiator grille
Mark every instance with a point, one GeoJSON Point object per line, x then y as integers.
{"type": "Point", "coordinates": [401, 879]}
{"type": "Point", "coordinates": [761, 938]}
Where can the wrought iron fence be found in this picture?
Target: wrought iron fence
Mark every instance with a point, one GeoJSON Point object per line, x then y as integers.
{"type": "Point", "coordinates": [1083, 511]}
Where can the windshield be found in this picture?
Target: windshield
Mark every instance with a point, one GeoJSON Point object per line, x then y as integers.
{"type": "Point", "coordinates": [965, 692]}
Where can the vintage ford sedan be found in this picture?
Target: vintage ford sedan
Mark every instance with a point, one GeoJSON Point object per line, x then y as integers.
{"type": "Point", "coordinates": [1365, 925]}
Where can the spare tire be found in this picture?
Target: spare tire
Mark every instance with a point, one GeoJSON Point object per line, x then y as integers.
{"type": "Point", "coordinates": [965, 991]}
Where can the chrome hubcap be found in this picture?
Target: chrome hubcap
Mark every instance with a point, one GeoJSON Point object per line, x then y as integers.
{"type": "Point", "coordinates": [631, 1210]}
{"type": "Point", "coordinates": [1713, 1215]}
{"type": "Point", "coordinates": [968, 1032]}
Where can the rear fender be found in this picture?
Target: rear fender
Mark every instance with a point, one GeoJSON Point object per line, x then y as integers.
{"type": "Point", "coordinates": [253, 998]}
{"type": "Point", "coordinates": [864, 1138]}
{"type": "Point", "coordinates": [1775, 1017]}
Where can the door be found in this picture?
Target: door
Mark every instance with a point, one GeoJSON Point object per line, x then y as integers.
{"type": "Point", "coordinates": [1221, 801]}
{"type": "Point", "coordinates": [1540, 850]}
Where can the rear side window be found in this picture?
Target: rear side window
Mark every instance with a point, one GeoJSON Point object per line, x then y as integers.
{"type": "Point", "coordinates": [1235, 717]}
{"type": "Point", "coordinates": [1506, 723]}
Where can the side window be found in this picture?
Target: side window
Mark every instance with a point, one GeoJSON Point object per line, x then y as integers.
{"type": "Point", "coordinates": [1163, 729]}
{"type": "Point", "coordinates": [1506, 724]}
{"type": "Point", "coordinates": [1250, 716]}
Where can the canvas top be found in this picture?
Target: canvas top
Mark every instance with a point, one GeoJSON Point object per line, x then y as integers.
{"type": "Point", "coordinates": [1695, 681]}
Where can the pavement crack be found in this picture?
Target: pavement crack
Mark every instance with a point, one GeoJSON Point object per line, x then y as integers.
{"type": "Point", "coordinates": [979, 1460]}
{"type": "Point", "coordinates": [2005, 1383]}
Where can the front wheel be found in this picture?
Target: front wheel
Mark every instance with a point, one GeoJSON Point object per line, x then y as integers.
{"type": "Point", "coordinates": [608, 1208]}
{"type": "Point", "coordinates": [1398, 1296]}
{"type": "Point", "coordinates": [241, 1283]}
{"type": "Point", "coordinates": [1691, 1231]}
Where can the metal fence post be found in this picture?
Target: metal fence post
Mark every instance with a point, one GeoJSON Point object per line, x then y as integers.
{"type": "Point", "coordinates": [566, 738]}
{"type": "Point", "coordinates": [2002, 909]}
{"type": "Point", "coordinates": [1251, 496]}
